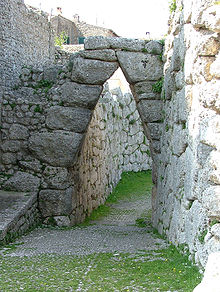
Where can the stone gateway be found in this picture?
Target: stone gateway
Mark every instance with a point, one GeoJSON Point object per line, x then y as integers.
{"type": "Point", "coordinates": [47, 109]}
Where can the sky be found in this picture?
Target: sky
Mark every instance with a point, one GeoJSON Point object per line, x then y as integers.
{"type": "Point", "coordinates": [128, 18]}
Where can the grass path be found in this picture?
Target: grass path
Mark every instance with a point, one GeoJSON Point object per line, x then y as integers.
{"type": "Point", "coordinates": [116, 249]}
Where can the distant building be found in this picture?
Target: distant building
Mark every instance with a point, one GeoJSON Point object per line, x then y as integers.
{"type": "Point", "coordinates": [77, 30]}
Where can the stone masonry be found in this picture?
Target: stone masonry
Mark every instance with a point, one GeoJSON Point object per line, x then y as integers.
{"type": "Point", "coordinates": [45, 119]}
{"type": "Point", "coordinates": [186, 205]}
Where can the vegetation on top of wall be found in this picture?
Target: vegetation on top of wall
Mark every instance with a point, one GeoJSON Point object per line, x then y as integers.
{"type": "Point", "coordinates": [172, 6]}
{"type": "Point", "coordinates": [61, 39]}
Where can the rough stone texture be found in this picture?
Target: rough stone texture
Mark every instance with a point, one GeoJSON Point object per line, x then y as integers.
{"type": "Point", "coordinates": [43, 126]}
{"type": "Point", "coordinates": [91, 71]}
{"type": "Point", "coordinates": [57, 149]}
{"type": "Point", "coordinates": [22, 182]}
{"type": "Point", "coordinates": [18, 213]}
{"type": "Point", "coordinates": [211, 278]}
{"type": "Point", "coordinates": [186, 203]}
{"type": "Point", "coordinates": [138, 66]}
{"type": "Point", "coordinates": [56, 202]}
{"type": "Point", "coordinates": [150, 110]}
{"type": "Point", "coordinates": [94, 43]}
{"type": "Point", "coordinates": [103, 55]}
{"type": "Point", "coordinates": [74, 94]}
{"type": "Point", "coordinates": [65, 118]}
{"type": "Point", "coordinates": [32, 39]}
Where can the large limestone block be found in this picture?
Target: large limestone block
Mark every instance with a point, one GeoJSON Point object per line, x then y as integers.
{"type": "Point", "coordinates": [179, 140]}
{"type": "Point", "coordinates": [208, 17]}
{"type": "Point", "coordinates": [56, 178]}
{"type": "Point", "coordinates": [74, 94]}
{"type": "Point", "coordinates": [211, 201]}
{"type": "Point", "coordinates": [215, 67]}
{"type": "Point", "coordinates": [98, 42]}
{"type": "Point", "coordinates": [56, 202]}
{"type": "Point", "coordinates": [143, 90]}
{"type": "Point", "coordinates": [65, 118]}
{"type": "Point", "coordinates": [92, 71]}
{"type": "Point", "coordinates": [18, 132]}
{"type": "Point", "coordinates": [58, 148]}
{"type": "Point", "coordinates": [150, 110]}
{"type": "Point", "coordinates": [22, 182]}
{"type": "Point", "coordinates": [211, 280]}
{"type": "Point", "coordinates": [103, 55]}
{"type": "Point", "coordinates": [154, 130]}
{"type": "Point", "coordinates": [11, 146]}
{"type": "Point", "coordinates": [154, 47]}
{"type": "Point", "coordinates": [210, 130]}
{"type": "Point", "coordinates": [140, 66]}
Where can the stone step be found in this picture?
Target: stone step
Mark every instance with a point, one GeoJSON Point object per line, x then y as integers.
{"type": "Point", "coordinates": [18, 212]}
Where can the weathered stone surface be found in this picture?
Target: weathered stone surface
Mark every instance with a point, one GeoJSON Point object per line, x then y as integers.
{"type": "Point", "coordinates": [143, 90]}
{"type": "Point", "coordinates": [211, 201]}
{"type": "Point", "coordinates": [208, 18]}
{"type": "Point", "coordinates": [9, 158]}
{"type": "Point", "coordinates": [215, 230]}
{"type": "Point", "coordinates": [154, 47]}
{"type": "Point", "coordinates": [23, 182]}
{"type": "Point", "coordinates": [33, 165]}
{"type": "Point", "coordinates": [56, 177]}
{"type": "Point", "coordinates": [103, 55]}
{"type": "Point", "coordinates": [11, 146]}
{"type": "Point", "coordinates": [134, 45]}
{"type": "Point", "coordinates": [57, 149]}
{"type": "Point", "coordinates": [211, 279]}
{"type": "Point", "coordinates": [99, 42]}
{"type": "Point", "coordinates": [18, 132]}
{"type": "Point", "coordinates": [179, 140]}
{"type": "Point", "coordinates": [62, 221]}
{"type": "Point", "coordinates": [154, 130]}
{"type": "Point", "coordinates": [150, 110]}
{"type": "Point", "coordinates": [74, 94]}
{"type": "Point", "coordinates": [215, 67]}
{"type": "Point", "coordinates": [66, 118]}
{"type": "Point", "coordinates": [138, 66]}
{"type": "Point", "coordinates": [56, 202]}
{"type": "Point", "coordinates": [92, 71]}
{"type": "Point", "coordinates": [51, 73]}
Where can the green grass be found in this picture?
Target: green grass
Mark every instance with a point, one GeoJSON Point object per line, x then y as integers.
{"type": "Point", "coordinates": [163, 269]}
{"type": "Point", "coordinates": [153, 270]}
{"type": "Point", "coordinates": [131, 186]}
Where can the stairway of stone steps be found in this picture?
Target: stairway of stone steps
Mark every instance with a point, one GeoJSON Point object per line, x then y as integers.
{"type": "Point", "coordinates": [18, 212]}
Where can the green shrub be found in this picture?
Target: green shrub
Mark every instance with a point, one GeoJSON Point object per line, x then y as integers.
{"type": "Point", "coordinates": [61, 39]}
{"type": "Point", "coordinates": [172, 6]}
{"type": "Point", "coordinates": [157, 86]}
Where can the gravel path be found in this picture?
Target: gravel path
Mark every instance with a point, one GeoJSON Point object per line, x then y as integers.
{"type": "Point", "coordinates": [116, 232]}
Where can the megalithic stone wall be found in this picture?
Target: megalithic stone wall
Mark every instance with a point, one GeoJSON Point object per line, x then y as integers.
{"type": "Point", "coordinates": [186, 206]}
{"type": "Point", "coordinates": [46, 116]}
{"type": "Point", "coordinates": [26, 39]}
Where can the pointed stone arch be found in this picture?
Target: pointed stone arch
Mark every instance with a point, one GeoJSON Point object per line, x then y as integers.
{"type": "Point", "coordinates": [88, 70]}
